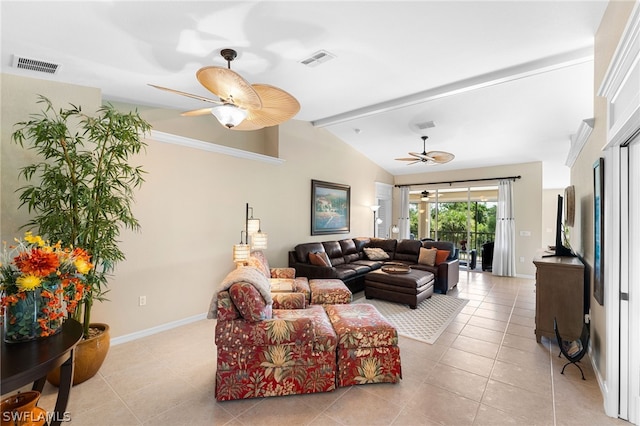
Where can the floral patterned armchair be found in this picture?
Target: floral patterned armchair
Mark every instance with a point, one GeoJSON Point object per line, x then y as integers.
{"type": "Point", "coordinates": [263, 351]}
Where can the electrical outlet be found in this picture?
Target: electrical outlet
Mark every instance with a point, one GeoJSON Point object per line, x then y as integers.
{"type": "Point", "coordinates": [142, 301]}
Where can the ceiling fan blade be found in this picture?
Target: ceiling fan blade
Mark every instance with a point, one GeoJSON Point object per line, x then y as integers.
{"type": "Point", "coordinates": [440, 157]}
{"type": "Point", "coordinates": [278, 106]}
{"type": "Point", "coordinates": [196, 112]}
{"type": "Point", "coordinates": [417, 161]}
{"type": "Point", "coordinates": [423, 155]}
{"type": "Point", "coordinates": [417, 155]}
{"type": "Point", "coordinates": [229, 86]}
{"type": "Point", "coordinates": [407, 159]}
{"type": "Point", "coordinates": [189, 95]}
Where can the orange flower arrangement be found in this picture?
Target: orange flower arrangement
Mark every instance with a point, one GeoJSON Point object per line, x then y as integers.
{"type": "Point", "coordinates": [39, 282]}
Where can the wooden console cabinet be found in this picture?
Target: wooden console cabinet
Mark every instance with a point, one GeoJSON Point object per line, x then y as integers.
{"type": "Point", "coordinates": [560, 295]}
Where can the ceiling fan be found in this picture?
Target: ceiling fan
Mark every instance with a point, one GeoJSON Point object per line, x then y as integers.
{"type": "Point", "coordinates": [431, 157]}
{"type": "Point", "coordinates": [241, 106]}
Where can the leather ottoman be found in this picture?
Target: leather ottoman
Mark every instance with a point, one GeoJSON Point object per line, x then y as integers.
{"type": "Point", "coordinates": [367, 345]}
{"type": "Point", "coordinates": [329, 292]}
{"type": "Point", "coordinates": [411, 288]}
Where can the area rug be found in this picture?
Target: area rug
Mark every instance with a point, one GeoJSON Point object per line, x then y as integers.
{"type": "Point", "coordinates": [425, 323]}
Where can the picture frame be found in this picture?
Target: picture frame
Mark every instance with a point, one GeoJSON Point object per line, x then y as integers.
{"type": "Point", "coordinates": [598, 231]}
{"type": "Point", "coordinates": [330, 208]}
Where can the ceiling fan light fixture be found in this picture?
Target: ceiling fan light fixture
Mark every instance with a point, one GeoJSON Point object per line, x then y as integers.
{"type": "Point", "coordinates": [424, 196]}
{"type": "Point", "coordinates": [229, 115]}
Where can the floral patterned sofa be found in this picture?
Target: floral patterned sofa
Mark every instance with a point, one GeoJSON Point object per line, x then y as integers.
{"type": "Point", "coordinates": [270, 352]}
{"type": "Point", "coordinates": [264, 350]}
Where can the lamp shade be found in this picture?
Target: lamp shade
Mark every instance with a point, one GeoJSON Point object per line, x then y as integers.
{"type": "Point", "coordinates": [259, 241]}
{"type": "Point", "coordinates": [229, 115]}
{"type": "Point", "coordinates": [253, 226]}
{"type": "Point", "coordinates": [241, 252]}
{"type": "Point", "coordinates": [374, 208]}
{"type": "Point", "coordinates": [395, 229]}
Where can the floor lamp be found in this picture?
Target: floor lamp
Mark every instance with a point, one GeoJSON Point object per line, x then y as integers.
{"type": "Point", "coordinates": [376, 221]}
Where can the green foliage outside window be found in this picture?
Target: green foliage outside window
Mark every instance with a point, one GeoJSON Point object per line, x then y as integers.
{"type": "Point", "coordinates": [452, 222]}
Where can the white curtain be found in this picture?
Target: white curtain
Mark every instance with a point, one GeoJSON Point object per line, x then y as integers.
{"type": "Point", "coordinates": [403, 222]}
{"type": "Point", "coordinates": [504, 251]}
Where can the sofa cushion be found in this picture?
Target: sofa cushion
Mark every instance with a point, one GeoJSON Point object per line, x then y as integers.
{"type": "Point", "coordinates": [303, 250]}
{"type": "Point", "coordinates": [385, 244]}
{"type": "Point", "coordinates": [407, 250]}
{"type": "Point", "coordinates": [349, 251]}
{"type": "Point", "coordinates": [361, 242]}
{"type": "Point", "coordinates": [375, 253]}
{"type": "Point", "coordinates": [421, 266]}
{"type": "Point", "coordinates": [334, 251]}
{"type": "Point", "coordinates": [249, 302]}
{"type": "Point", "coordinates": [441, 256]}
{"type": "Point", "coordinates": [344, 272]}
{"type": "Point", "coordinates": [371, 264]}
{"type": "Point", "coordinates": [319, 259]}
{"type": "Point", "coordinates": [428, 256]}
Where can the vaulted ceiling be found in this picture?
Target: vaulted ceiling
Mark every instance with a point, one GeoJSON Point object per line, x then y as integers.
{"type": "Point", "coordinates": [503, 81]}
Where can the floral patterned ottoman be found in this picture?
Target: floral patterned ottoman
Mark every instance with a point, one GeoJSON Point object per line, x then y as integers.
{"type": "Point", "coordinates": [329, 292]}
{"type": "Point", "coordinates": [367, 345]}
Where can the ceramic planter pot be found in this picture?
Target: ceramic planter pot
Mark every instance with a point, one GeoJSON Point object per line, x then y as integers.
{"type": "Point", "coordinates": [88, 357]}
{"type": "Point", "coordinates": [19, 409]}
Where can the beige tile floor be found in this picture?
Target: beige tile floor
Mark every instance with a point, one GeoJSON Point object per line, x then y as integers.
{"type": "Point", "coordinates": [486, 369]}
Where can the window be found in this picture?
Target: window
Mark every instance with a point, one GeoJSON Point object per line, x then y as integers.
{"type": "Point", "coordinates": [465, 216]}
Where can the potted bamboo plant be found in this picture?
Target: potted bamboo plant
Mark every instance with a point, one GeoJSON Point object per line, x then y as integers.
{"type": "Point", "coordinates": [80, 193]}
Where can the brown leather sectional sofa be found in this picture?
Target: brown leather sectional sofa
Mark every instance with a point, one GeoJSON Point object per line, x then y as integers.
{"type": "Point", "coordinates": [350, 264]}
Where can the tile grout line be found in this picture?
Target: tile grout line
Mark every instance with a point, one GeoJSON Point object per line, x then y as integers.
{"type": "Point", "coordinates": [495, 358]}
{"type": "Point", "coordinates": [553, 386]}
{"type": "Point", "coordinates": [104, 379]}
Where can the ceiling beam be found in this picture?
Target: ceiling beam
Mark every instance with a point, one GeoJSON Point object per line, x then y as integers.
{"type": "Point", "coordinates": [505, 75]}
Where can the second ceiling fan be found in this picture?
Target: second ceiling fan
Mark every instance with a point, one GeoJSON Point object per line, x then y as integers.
{"type": "Point", "coordinates": [431, 157]}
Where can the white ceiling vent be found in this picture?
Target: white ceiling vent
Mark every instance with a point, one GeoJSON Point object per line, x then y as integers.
{"type": "Point", "coordinates": [317, 58]}
{"type": "Point", "coordinates": [30, 64]}
{"type": "Point", "coordinates": [425, 125]}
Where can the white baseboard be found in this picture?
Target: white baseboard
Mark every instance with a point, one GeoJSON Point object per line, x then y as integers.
{"type": "Point", "coordinates": [606, 396]}
{"type": "Point", "coordinates": [153, 330]}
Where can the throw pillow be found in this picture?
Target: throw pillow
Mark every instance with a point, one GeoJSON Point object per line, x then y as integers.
{"type": "Point", "coordinates": [319, 259]}
{"type": "Point", "coordinates": [375, 253]}
{"type": "Point", "coordinates": [441, 256]}
{"type": "Point", "coordinates": [249, 302]}
{"type": "Point", "coordinates": [428, 256]}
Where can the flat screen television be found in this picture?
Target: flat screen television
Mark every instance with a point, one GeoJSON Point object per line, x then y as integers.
{"type": "Point", "coordinates": [559, 249]}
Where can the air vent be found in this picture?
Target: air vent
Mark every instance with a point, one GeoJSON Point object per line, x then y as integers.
{"type": "Point", "coordinates": [317, 58]}
{"type": "Point", "coordinates": [30, 64]}
{"type": "Point", "coordinates": [425, 125]}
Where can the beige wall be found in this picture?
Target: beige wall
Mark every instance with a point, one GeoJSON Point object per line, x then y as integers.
{"type": "Point", "coordinates": [527, 194]}
{"type": "Point", "coordinates": [607, 37]}
{"type": "Point", "coordinates": [192, 204]}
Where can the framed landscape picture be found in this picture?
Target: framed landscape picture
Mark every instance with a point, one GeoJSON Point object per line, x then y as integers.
{"type": "Point", "coordinates": [330, 208]}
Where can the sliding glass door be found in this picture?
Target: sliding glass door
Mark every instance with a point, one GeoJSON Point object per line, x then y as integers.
{"type": "Point", "coordinates": [465, 216]}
